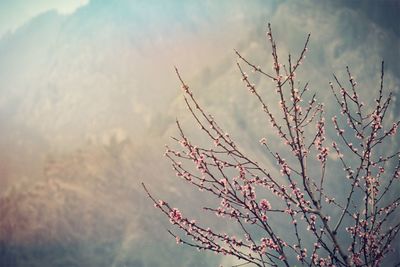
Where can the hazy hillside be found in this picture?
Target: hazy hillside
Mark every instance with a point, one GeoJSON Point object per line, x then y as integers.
{"type": "Point", "coordinates": [88, 100]}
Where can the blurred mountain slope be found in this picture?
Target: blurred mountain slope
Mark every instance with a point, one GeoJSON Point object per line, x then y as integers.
{"type": "Point", "coordinates": [88, 100]}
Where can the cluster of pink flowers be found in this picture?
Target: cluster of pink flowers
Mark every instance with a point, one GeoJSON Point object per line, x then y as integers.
{"type": "Point", "coordinates": [175, 216]}
{"type": "Point", "coordinates": [265, 205]}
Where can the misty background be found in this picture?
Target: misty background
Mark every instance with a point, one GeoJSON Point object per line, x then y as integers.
{"type": "Point", "coordinates": [88, 98]}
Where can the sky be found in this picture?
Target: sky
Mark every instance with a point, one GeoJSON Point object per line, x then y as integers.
{"type": "Point", "coordinates": [14, 14]}
{"type": "Point", "coordinates": [89, 96]}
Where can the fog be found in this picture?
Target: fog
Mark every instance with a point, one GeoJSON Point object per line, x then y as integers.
{"type": "Point", "coordinates": [89, 97]}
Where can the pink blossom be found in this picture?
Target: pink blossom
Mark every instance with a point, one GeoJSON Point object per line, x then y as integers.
{"type": "Point", "coordinates": [265, 205]}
